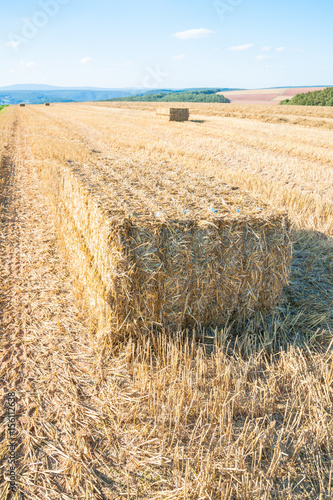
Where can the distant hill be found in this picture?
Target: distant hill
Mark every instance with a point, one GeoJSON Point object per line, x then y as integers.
{"type": "Point", "coordinates": [36, 93]}
{"type": "Point", "coordinates": [67, 95]}
{"type": "Point", "coordinates": [39, 93]}
{"type": "Point", "coordinates": [316, 98]}
{"type": "Point", "coordinates": [192, 89]}
{"type": "Point", "coordinates": [178, 96]}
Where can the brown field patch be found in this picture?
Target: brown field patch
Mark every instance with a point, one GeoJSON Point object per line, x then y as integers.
{"type": "Point", "coordinates": [261, 96]}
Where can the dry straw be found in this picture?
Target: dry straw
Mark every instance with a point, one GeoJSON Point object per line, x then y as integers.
{"type": "Point", "coordinates": [154, 253]}
{"type": "Point", "coordinates": [193, 426]}
{"type": "Point", "coordinates": [174, 114]}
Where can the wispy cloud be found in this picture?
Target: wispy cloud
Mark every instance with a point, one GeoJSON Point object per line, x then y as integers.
{"type": "Point", "coordinates": [177, 58]}
{"type": "Point", "coordinates": [197, 33]}
{"type": "Point", "coordinates": [27, 65]}
{"type": "Point", "coordinates": [266, 48]}
{"type": "Point", "coordinates": [261, 57]}
{"type": "Point", "coordinates": [242, 47]}
{"type": "Point", "coordinates": [13, 44]}
{"type": "Point", "coordinates": [280, 49]}
{"type": "Point", "coordinates": [85, 60]}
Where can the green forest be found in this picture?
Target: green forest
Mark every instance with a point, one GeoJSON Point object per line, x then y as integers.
{"type": "Point", "coordinates": [316, 98]}
{"type": "Point", "coordinates": [187, 96]}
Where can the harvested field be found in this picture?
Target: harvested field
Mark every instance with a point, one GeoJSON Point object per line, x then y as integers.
{"type": "Point", "coordinates": [283, 164]}
{"type": "Point", "coordinates": [164, 415]}
{"type": "Point", "coordinates": [263, 96]}
{"type": "Point", "coordinates": [310, 116]}
{"type": "Point", "coordinates": [158, 244]}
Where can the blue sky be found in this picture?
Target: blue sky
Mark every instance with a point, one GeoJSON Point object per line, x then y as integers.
{"type": "Point", "coordinates": [167, 43]}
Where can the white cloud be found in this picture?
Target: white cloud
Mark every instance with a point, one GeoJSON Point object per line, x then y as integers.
{"type": "Point", "coordinates": [177, 58]}
{"type": "Point", "coordinates": [280, 49]}
{"type": "Point", "coordinates": [85, 60]}
{"type": "Point", "coordinates": [198, 33]}
{"type": "Point", "coordinates": [242, 47]}
{"type": "Point", "coordinates": [261, 57]}
{"type": "Point", "coordinates": [266, 48]}
{"type": "Point", "coordinates": [27, 65]}
{"type": "Point", "coordinates": [12, 70]}
{"type": "Point", "coordinates": [13, 44]}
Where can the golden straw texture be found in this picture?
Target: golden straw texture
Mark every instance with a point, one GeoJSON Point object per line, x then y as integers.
{"type": "Point", "coordinates": [160, 245]}
{"type": "Point", "coordinates": [174, 114]}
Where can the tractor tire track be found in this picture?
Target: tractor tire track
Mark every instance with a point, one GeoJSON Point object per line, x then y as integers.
{"type": "Point", "coordinates": [46, 355]}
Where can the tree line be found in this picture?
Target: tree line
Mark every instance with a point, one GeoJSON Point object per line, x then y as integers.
{"type": "Point", "coordinates": [187, 96]}
{"type": "Point", "coordinates": [315, 98]}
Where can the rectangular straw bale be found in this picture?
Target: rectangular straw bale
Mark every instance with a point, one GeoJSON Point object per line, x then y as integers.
{"type": "Point", "coordinates": [145, 270]}
{"type": "Point", "coordinates": [174, 114]}
{"type": "Point", "coordinates": [95, 259]}
{"type": "Point", "coordinates": [204, 273]}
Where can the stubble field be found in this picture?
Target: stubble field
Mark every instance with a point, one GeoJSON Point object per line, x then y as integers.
{"type": "Point", "coordinates": [208, 416]}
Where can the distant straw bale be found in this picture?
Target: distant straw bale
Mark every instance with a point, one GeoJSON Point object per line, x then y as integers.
{"type": "Point", "coordinates": [174, 114]}
{"type": "Point", "coordinates": [22, 104]}
{"type": "Point", "coordinates": [47, 104]}
{"type": "Point", "coordinates": [174, 250]}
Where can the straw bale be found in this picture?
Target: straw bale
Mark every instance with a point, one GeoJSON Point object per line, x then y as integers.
{"type": "Point", "coordinates": [204, 273]}
{"type": "Point", "coordinates": [174, 114]}
{"type": "Point", "coordinates": [148, 250]}
{"type": "Point", "coordinates": [22, 104]}
{"type": "Point", "coordinates": [47, 104]}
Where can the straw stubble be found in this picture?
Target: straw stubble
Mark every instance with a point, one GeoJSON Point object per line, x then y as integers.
{"type": "Point", "coordinates": [159, 246]}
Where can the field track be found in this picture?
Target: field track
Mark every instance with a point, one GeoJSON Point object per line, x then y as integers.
{"type": "Point", "coordinates": [157, 418]}
{"type": "Point", "coordinates": [42, 335]}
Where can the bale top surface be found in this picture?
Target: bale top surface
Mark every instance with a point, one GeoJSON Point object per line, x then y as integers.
{"type": "Point", "coordinates": [163, 191]}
